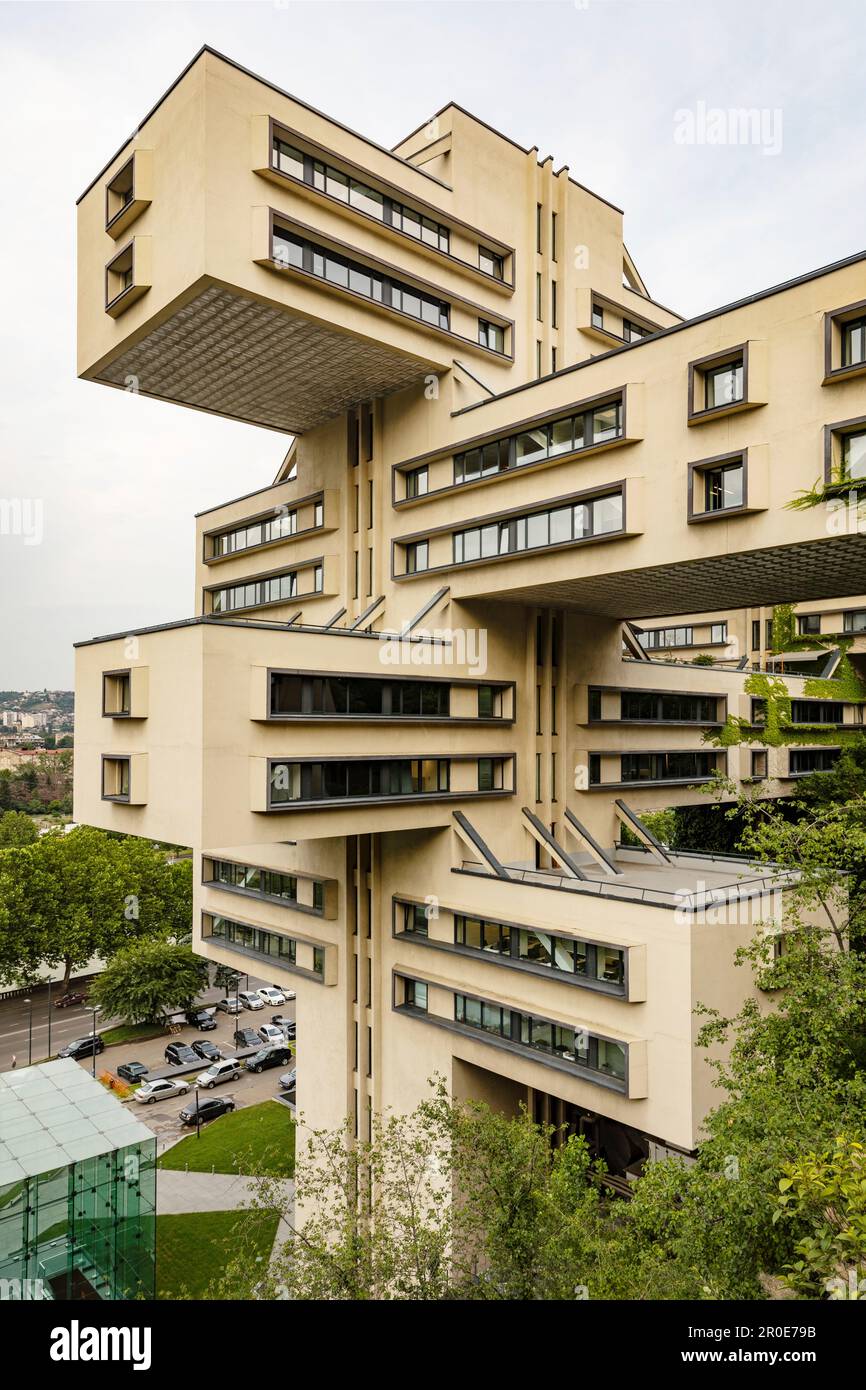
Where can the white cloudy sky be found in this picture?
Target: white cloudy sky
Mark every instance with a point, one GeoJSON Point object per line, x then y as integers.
{"type": "Point", "coordinates": [595, 83]}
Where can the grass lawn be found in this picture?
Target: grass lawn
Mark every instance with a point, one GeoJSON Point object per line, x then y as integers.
{"type": "Point", "coordinates": [193, 1248]}
{"type": "Point", "coordinates": [132, 1032]}
{"type": "Point", "coordinates": [260, 1139]}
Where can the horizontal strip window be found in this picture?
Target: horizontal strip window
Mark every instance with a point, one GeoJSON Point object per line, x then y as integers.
{"type": "Point", "coordinates": [817, 711]}
{"type": "Point", "coordinates": [357, 696]}
{"type": "Point", "coordinates": [805, 760]}
{"type": "Point", "coordinates": [342, 187]}
{"type": "Point", "coordinates": [675, 709]}
{"type": "Point", "coordinates": [855, 621]}
{"type": "Point", "coordinates": [374, 779]}
{"type": "Point", "coordinates": [276, 588]}
{"type": "Point", "coordinates": [596, 517]}
{"type": "Point", "coordinates": [667, 637]}
{"type": "Point", "coordinates": [584, 962]}
{"type": "Point", "coordinates": [278, 527]}
{"type": "Point", "coordinates": [586, 1051]}
{"type": "Point", "coordinates": [267, 945]}
{"type": "Point", "coordinates": [597, 425]}
{"type": "Point", "coordinates": [262, 883]}
{"type": "Point", "coordinates": [633, 332]}
{"type": "Point", "coordinates": [683, 765]}
{"type": "Point", "coordinates": [299, 254]}
{"type": "Point", "coordinates": [491, 335]}
{"type": "Point", "coordinates": [808, 624]}
{"type": "Point", "coordinates": [491, 263]}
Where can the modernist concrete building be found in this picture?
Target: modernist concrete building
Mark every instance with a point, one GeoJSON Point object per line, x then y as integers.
{"type": "Point", "coordinates": [400, 728]}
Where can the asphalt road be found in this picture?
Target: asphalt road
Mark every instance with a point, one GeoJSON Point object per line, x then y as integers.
{"type": "Point", "coordinates": [71, 1023]}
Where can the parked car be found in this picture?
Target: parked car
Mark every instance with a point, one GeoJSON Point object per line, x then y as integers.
{"type": "Point", "coordinates": [180, 1055]}
{"type": "Point", "coordinates": [207, 1050]}
{"type": "Point", "coordinates": [246, 1037]}
{"type": "Point", "coordinates": [229, 1069]}
{"type": "Point", "coordinates": [287, 1081]}
{"type": "Point", "coordinates": [282, 1022]}
{"type": "Point", "coordinates": [74, 996]}
{"type": "Point", "coordinates": [229, 1006]}
{"type": "Point", "coordinates": [250, 999]}
{"type": "Point", "coordinates": [161, 1088]}
{"type": "Point", "coordinates": [132, 1071]}
{"type": "Point", "coordinates": [83, 1047]}
{"type": "Point", "coordinates": [202, 1019]}
{"type": "Point", "coordinates": [207, 1108]}
{"type": "Point", "coordinates": [270, 1033]}
{"type": "Point", "coordinates": [269, 994]}
{"type": "Point", "coordinates": [268, 1057]}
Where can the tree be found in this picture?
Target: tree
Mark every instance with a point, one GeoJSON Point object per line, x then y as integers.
{"type": "Point", "coordinates": [16, 829]}
{"type": "Point", "coordinates": [69, 897]}
{"type": "Point", "coordinates": [145, 981]}
{"type": "Point", "coordinates": [828, 1191]}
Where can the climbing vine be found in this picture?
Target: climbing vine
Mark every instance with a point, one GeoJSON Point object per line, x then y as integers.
{"type": "Point", "coordinates": [778, 729]}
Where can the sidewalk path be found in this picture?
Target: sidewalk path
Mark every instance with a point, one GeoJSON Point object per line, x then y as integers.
{"type": "Point", "coordinates": [180, 1192]}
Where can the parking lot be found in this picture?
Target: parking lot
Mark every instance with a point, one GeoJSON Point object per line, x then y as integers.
{"type": "Point", "coordinates": [248, 1089]}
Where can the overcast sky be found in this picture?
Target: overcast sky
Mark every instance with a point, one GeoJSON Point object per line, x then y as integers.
{"type": "Point", "coordinates": [598, 84]}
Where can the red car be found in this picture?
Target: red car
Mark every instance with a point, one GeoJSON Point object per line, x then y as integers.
{"type": "Point", "coordinates": [73, 997]}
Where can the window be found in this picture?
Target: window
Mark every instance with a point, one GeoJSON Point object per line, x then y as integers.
{"type": "Point", "coordinates": [553, 323]}
{"type": "Point", "coordinates": [490, 774]}
{"type": "Point", "coordinates": [718, 632]}
{"type": "Point", "coordinates": [254, 941]}
{"type": "Point", "coordinates": [596, 425]}
{"type": "Point", "coordinates": [491, 263]}
{"type": "Point", "coordinates": [633, 332]}
{"type": "Point", "coordinates": [262, 883]}
{"type": "Point", "coordinates": [491, 335]}
{"type": "Point", "coordinates": [359, 697]}
{"type": "Point", "coordinates": [417, 482]}
{"type": "Point", "coordinates": [759, 764]}
{"type": "Point", "coordinates": [723, 385]}
{"type": "Point", "coordinates": [855, 621]}
{"type": "Point", "coordinates": [415, 919]}
{"type": "Point", "coordinates": [817, 711]}
{"type": "Point", "coordinates": [584, 1050]}
{"type": "Point", "coordinates": [116, 694]}
{"type": "Point", "coordinates": [553, 236]}
{"type": "Point", "coordinates": [356, 194]}
{"type": "Point", "coordinates": [597, 316]}
{"type": "Point", "coordinates": [119, 193]}
{"type": "Point", "coordinates": [416, 557]}
{"type": "Point", "coordinates": [294, 252]}
{"type": "Point", "coordinates": [489, 702]}
{"type": "Point", "coordinates": [595, 704]}
{"type": "Point", "coordinates": [538, 367]}
{"type": "Point", "coordinates": [756, 634]}
{"type": "Point", "coordinates": [538, 294]}
{"type": "Point", "coordinates": [655, 638]}
{"type": "Point", "coordinates": [723, 487]}
{"type": "Point", "coordinates": [808, 623]}
{"type": "Point", "coordinates": [538, 228]}
{"type": "Point", "coordinates": [115, 779]}
{"type": "Point", "coordinates": [768, 632]}
{"type": "Point", "coordinates": [275, 588]}
{"type": "Point", "coordinates": [119, 275]}
{"type": "Point", "coordinates": [639, 707]}
{"type": "Point", "coordinates": [597, 516]}
{"type": "Point", "coordinates": [853, 455]}
{"type": "Point", "coordinates": [854, 342]}
{"type": "Point", "coordinates": [559, 954]}
{"type": "Point", "coordinates": [415, 995]}
{"type": "Point", "coordinates": [553, 359]}
{"type": "Point", "coordinates": [684, 765]}
{"type": "Point", "coordinates": [595, 769]}
{"type": "Point", "coordinates": [280, 525]}
{"type": "Point", "coordinates": [358, 779]}
{"type": "Point", "coordinates": [805, 760]}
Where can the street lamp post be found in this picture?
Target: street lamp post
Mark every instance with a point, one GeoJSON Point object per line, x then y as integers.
{"type": "Point", "coordinates": [29, 1003]}
{"type": "Point", "coordinates": [94, 1012]}
{"type": "Point", "coordinates": [49, 1018]}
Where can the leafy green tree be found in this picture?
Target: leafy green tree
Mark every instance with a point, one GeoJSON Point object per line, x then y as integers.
{"type": "Point", "coordinates": [16, 829]}
{"type": "Point", "coordinates": [828, 1191]}
{"type": "Point", "coordinates": [70, 897]}
{"type": "Point", "coordinates": [145, 981]}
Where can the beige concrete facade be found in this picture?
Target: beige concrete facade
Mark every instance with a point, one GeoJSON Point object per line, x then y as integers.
{"type": "Point", "coordinates": [402, 703]}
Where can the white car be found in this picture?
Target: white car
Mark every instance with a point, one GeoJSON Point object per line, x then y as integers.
{"type": "Point", "coordinates": [226, 1070]}
{"type": "Point", "coordinates": [250, 1000]}
{"type": "Point", "coordinates": [270, 1033]}
{"type": "Point", "coordinates": [269, 994]}
{"type": "Point", "coordinates": [160, 1090]}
